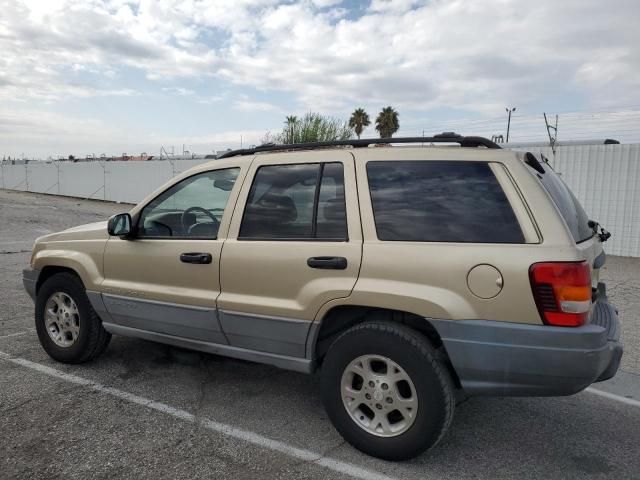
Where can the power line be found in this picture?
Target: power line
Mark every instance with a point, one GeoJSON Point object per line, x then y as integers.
{"type": "Point", "coordinates": [522, 121]}
{"type": "Point", "coordinates": [607, 122]}
{"type": "Point", "coordinates": [520, 117]}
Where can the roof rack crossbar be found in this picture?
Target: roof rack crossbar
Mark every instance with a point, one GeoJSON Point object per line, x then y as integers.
{"type": "Point", "coordinates": [446, 137]}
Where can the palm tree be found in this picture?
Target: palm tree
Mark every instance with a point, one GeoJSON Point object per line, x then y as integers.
{"type": "Point", "coordinates": [387, 122]}
{"type": "Point", "coordinates": [359, 120]}
{"type": "Point", "coordinates": [290, 123]}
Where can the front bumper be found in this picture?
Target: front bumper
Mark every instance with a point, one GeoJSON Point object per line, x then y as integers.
{"type": "Point", "coordinates": [30, 280]}
{"type": "Point", "coordinates": [500, 358]}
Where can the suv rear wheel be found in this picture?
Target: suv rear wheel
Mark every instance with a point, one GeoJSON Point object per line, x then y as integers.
{"type": "Point", "coordinates": [385, 391]}
{"type": "Point", "coordinates": [68, 328]}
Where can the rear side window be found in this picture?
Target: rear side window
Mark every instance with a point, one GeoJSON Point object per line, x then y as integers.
{"type": "Point", "coordinates": [440, 201]}
{"type": "Point", "coordinates": [296, 202]}
{"type": "Point", "coordinates": [572, 212]}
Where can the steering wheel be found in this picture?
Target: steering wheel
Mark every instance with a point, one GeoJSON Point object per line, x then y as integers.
{"type": "Point", "coordinates": [183, 218]}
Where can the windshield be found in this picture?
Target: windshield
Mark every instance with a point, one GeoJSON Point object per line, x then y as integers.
{"type": "Point", "coordinates": [574, 215]}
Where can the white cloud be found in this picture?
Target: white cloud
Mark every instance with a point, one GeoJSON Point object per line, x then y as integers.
{"type": "Point", "coordinates": [45, 133]}
{"type": "Point", "coordinates": [442, 54]}
{"type": "Point", "coordinates": [245, 104]}
{"type": "Point", "coordinates": [180, 91]}
{"type": "Point", "coordinates": [326, 3]}
{"type": "Point", "coordinates": [211, 99]}
{"type": "Point", "coordinates": [414, 55]}
{"type": "Point", "coordinates": [213, 141]}
{"type": "Point", "coordinates": [58, 135]}
{"type": "Point", "coordinates": [41, 41]}
{"type": "Point", "coordinates": [405, 52]}
{"type": "Point", "coordinates": [391, 5]}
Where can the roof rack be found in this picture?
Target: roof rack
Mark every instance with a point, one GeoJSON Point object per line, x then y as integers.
{"type": "Point", "coordinates": [446, 137]}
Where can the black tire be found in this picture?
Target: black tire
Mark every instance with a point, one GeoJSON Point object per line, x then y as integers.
{"type": "Point", "coordinates": [92, 339]}
{"type": "Point", "coordinates": [416, 355]}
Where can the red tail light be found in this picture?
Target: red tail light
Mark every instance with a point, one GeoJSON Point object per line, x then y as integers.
{"type": "Point", "coordinates": [562, 291]}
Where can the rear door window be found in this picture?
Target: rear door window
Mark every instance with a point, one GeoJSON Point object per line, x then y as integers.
{"type": "Point", "coordinates": [440, 201]}
{"type": "Point", "coordinates": [572, 212]}
{"type": "Point", "coordinates": [296, 202]}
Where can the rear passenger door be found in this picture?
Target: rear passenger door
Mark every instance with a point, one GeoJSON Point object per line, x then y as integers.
{"type": "Point", "coordinates": [295, 243]}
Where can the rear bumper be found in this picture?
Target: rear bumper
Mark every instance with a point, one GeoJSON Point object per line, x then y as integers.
{"type": "Point", "coordinates": [29, 280]}
{"type": "Point", "coordinates": [500, 358]}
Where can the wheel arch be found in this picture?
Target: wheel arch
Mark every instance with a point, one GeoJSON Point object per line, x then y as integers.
{"type": "Point", "coordinates": [85, 265]}
{"type": "Point", "coordinates": [49, 271]}
{"type": "Point", "coordinates": [340, 318]}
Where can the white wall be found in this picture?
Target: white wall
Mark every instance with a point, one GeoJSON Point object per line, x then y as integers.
{"type": "Point", "coordinates": [605, 178]}
{"type": "Point", "coordinates": [132, 181]}
{"type": "Point", "coordinates": [13, 177]}
{"type": "Point", "coordinates": [116, 181]}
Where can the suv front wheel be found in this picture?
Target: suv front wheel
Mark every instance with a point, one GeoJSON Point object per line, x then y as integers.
{"type": "Point", "coordinates": [68, 327]}
{"type": "Point", "coordinates": [385, 391]}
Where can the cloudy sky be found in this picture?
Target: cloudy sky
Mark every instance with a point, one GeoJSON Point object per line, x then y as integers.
{"type": "Point", "coordinates": [114, 76]}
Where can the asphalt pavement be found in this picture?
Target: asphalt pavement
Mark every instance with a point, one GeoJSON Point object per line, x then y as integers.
{"type": "Point", "coordinates": [145, 410]}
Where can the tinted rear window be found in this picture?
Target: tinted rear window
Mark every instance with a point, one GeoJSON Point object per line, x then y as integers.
{"type": "Point", "coordinates": [440, 201]}
{"type": "Point", "coordinates": [574, 215]}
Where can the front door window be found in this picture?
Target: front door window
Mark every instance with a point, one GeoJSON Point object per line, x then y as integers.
{"type": "Point", "coordinates": [192, 208]}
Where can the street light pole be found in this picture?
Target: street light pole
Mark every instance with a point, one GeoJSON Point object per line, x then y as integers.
{"type": "Point", "coordinates": [509, 110]}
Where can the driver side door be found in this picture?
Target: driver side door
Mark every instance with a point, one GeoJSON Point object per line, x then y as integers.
{"type": "Point", "coordinates": [166, 278]}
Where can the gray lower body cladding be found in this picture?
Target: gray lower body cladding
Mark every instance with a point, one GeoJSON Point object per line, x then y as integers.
{"type": "Point", "coordinates": [489, 357]}
{"type": "Point", "coordinates": [167, 318]}
{"type": "Point", "coordinates": [499, 358]}
{"type": "Point", "coordinates": [30, 280]}
{"type": "Point", "coordinates": [276, 341]}
{"type": "Point", "coordinates": [282, 361]}
{"type": "Point", "coordinates": [283, 336]}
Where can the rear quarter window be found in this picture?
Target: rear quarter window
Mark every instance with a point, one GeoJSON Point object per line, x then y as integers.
{"type": "Point", "coordinates": [568, 205]}
{"type": "Point", "coordinates": [440, 201]}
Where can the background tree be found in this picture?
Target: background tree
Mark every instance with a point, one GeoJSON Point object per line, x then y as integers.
{"type": "Point", "coordinates": [359, 120]}
{"type": "Point", "coordinates": [290, 123]}
{"type": "Point", "coordinates": [387, 122]}
{"type": "Point", "coordinates": [313, 127]}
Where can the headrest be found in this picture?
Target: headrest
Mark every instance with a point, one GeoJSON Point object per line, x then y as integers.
{"type": "Point", "coordinates": [276, 208]}
{"type": "Point", "coordinates": [334, 209]}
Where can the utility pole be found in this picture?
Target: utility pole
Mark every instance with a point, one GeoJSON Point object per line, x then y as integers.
{"type": "Point", "coordinates": [552, 138]}
{"type": "Point", "coordinates": [509, 111]}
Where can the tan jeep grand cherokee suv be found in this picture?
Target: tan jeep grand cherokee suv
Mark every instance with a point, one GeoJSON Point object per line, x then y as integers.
{"type": "Point", "coordinates": [405, 274]}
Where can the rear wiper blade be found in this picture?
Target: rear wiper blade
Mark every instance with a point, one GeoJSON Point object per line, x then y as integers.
{"type": "Point", "coordinates": [604, 235]}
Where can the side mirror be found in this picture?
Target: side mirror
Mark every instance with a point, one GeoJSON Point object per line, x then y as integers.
{"type": "Point", "coordinates": [119, 225]}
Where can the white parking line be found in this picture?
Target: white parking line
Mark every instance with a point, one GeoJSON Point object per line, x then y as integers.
{"type": "Point", "coordinates": [613, 396]}
{"type": "Point", "coordinates": [17, 334]}
{"type": "Point", "coordinates": [248, 436]}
